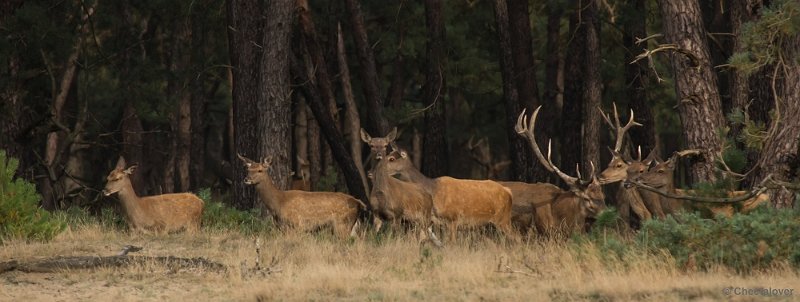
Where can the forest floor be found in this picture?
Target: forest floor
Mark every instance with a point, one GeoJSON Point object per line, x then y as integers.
{"type": "Point", "coordinates": [318, 267]}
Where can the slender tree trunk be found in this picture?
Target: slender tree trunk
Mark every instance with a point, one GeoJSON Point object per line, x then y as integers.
{"type": "Point", "coordinates": [274, 135]}
{"type": "Point", "coordinates": [574, 89]}
{"type": "Point", "coordinates": [132, 144]}
{"type": "Point", "coordinates": [552, 58]}
{"type": "Point", "coordinates": [244, 44]}
{"type": "Point", "coordinates": [331, 133]}
{"type": "Point", "coordinates": [397, 87]}
{"type": "Point", "coordinates": [518, 149]}
{"type": "Point", "coordinates": [594, 90]}
{"type": "Point", "coordinates": [695, 83]}
{"type": "Point", "coordinates": [375, 122]}
{"type": "Point", "coordinates": [352, 120]}
{"type": "Point", "coordinates": [634, 27]}
{"type": "Point", "coordinates": [315, 142]}
{"type": "Point", "coordinates": [434, 143]}
{"type": "Point", "coordinates": [198, 101]}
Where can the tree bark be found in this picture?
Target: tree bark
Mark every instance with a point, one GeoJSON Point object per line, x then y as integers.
{"type": "Point", "coordinates": [519, 152]}
{"type": "Point", "coordinates": [274, 137]}
{"type": "Point", "coordinates": [375, 121]}
{"type": "Point", "coordinates": [634, 26]}
{"type": "Point", "coordinates": [594, 90]}
{"type": "Point", "coordinates": [331, 133]}
{"type": "Point", "coordinates": [244, 44]}
{"type": "Point", "coordinates": [434, 142]}
{"type": "Point", "coordinates": [695, 83]}
{"type": "Point", "coordinates": [574, 89]}
{"type": "Point", "coordinates": [352, 120]}
{"type": "Point", "coordinates": [198, 100]}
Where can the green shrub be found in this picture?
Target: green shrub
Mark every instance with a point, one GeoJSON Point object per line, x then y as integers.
{"type": "Point", "coordinates": [20, 215]}
{"type": "Point", "coordinates": [757, 240]}
{"type": "Point", "coordinates": [78, 216]}
{"type": "Point", "coordinates": [219, 216]}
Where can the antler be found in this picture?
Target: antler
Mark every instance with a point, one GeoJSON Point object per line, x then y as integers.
{"type": "Point", "coordinates": [526, 129]}
{"type": "Point", "coordinates": [616, 125]}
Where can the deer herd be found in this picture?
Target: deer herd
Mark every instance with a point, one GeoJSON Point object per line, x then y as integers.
{"type": "Point", "coordinates": [402, 196]}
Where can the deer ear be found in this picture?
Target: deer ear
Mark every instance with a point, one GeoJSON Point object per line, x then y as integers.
{"type": "Point", "coordinates": [121, 163]}
{"type": "Point", "coordinates": [650, 157]}
{"type": "Point", "coordinates": [267, 160]}
{"type": "Point", "coordinates": [130, 169]}
{"type": "Point", "coordinates": [403, 154]}
{"type": "Point", "coordinates": [392, 135]}
{"type": "Point", "coordinates": [365, 136]}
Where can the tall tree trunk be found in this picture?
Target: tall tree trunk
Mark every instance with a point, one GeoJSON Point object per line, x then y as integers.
{"type": "Point", "coordinates": [594, 89]}
{"type": "Point", "coordinates": [352, 120]}
{"type": "Point", "coordinates": [434, 143]}
{"type": "Point", "coordinates": [132, 143]}
{"type": "Point", "coordinates": [198, 101]}
{"type": "Point", "coordinates": [315, 142]}
{"type": "Point", "coordinates": [331, 133]}
{"type": "Point", "coordinates": [244, 20]}
{"type": "Point", "coordinates": [552, 57]}
{"type": "Point", "coordinates": [518, 149]}
{"type": "Point", "coordinates": [781, 147]}
{"type": "Point", "coordinates": [634, 26]}
{"type": "Point", "coordinates": [375, 121]}
{"type": "Point", "coordinates": [397, 86]}
{"type": "Point", "coordinates": [695, 83]}
{"type": "Point", "coordinates": [574, 89]}
{"type": "Point", "coordinates": [274, 137]}
{"type": "Point", "coordinates": [519, 26]}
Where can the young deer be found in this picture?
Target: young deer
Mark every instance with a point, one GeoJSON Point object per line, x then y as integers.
{"type": "Point", "coordinates": [394, 200]}
{"type": "Point", "coordinates": [300, 209]}
{"type": "Point", "coordinates": [458, 202]}
{"type": "Point", "coordinates": [585, 198]}
{"type": "Point", "coordinates": [480, 152]}
{"type": "Point", "coordinates": [379, 145]}
{"type": "Point", "coordinates": [302, 181]}
{"type": "Point", "coordinates": [158, 213]}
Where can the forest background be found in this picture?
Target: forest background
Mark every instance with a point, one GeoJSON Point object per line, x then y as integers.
{"type": "Point", "coordinates": [181, 87]}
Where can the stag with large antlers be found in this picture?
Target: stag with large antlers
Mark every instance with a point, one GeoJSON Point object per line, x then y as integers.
{"type": "Point", "coordinates": [623, 167]}
{"type": "Point", "coordinates": [584, 199]}
{"type": "Point", "coordinates": [460, 202]}
{"type": "Point", "coordinates": [300, 209]}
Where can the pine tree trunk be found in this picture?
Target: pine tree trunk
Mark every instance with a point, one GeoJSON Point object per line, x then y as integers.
{"type": "Point", "coordinates": [519, 152]}
{"type": "Point", "coordinates": [274, 135]}
{"type": "Point", "coordinates": [434, 143]}
{"type": "Point", "coordinates": [574, 89]}
{"type": "Point", "coordinates": [352, 119]}
{"type": "Point", "coordinates": [594, 90]}
{"type": "Point", "coordinates": [244, 40]}
{"type": "Point", "coordinates": [634, 27]}
{"type": "Point", "coordinates": [198, 102]}
{"type": "Point", "coordinates": [375, 121]}
{"type": "Point", "coordinates": [695, 83]}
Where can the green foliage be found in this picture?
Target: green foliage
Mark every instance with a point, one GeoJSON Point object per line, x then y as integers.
{"type": "Point", "coordinates": [760, 239]}
{"type": "Point", "coordinates": [753, 133]}
{"type": "Point", "coordinates": [764, 41]}
{"type": "Point", "coordinates": [328, 181]}
{"type": "Point", "coordinates": [219, 216]}
{"type": "Point", "coordinates": [20, 215]}
{"type": "Point", "coordinates": [79, 216]}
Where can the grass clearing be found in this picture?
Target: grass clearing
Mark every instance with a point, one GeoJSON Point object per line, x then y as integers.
{"type": "Point", "coordinates": [316, 266]}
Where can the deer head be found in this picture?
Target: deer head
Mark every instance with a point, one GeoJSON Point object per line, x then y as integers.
{"type": "Point", "coordinates": [661, 175]}
{"type": "Point", "coordinates": [480, 152]}
{"type": "Point", "coordinates": [589, 191]}
{"type": "Point", "coordinates": [617, 168]}
{"type": "Point", "coordinates": [378, 145]}
{"type": "Point", "coordinates": [304, 170]}
{"type": "Point", "coordinates": [118, 178]}
{"type": "Point", "coordinates": [256, 171]}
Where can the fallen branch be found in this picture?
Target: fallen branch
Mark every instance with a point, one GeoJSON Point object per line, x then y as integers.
{"type": "Point", "coordinates": [59, 264]}
{"type": "Point", "coordinates": [753, 193]}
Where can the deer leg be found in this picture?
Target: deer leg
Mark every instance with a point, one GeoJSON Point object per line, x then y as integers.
{"type": "Point", "coordinates": [354, 229]}
{"type": "Point", "coordinates": [452, 227]}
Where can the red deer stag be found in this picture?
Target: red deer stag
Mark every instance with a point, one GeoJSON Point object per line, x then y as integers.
{"type": "Point", "coordinates": [394, 200]}
{"type": "Point", "coordinates": [584, 199]}
{"type": "Point", "coordinates": [158, 213]}
{"type": "Point", "coordinates": [303, 210]}
{"type": "Point", "coordinates": [532, 205]}
{"type": "Point", "coordinates": [460, 202]}
{"type": "Point", "coordinates": [622, 167]}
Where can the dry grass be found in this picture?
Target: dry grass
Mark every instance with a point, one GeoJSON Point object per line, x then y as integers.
{"type": "Point", "coordinates": [319, 267]}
